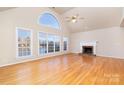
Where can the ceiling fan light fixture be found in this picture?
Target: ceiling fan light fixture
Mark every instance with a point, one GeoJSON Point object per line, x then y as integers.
{"type": "Point", "coordinates": [73, 20]}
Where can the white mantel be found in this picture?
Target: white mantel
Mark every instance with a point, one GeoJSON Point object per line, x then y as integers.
{"type": "Point", "coordinates": [88, 43]}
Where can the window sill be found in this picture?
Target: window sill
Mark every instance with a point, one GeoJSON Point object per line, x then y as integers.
{"type": "Point", "coordinates": [24, 57]}
{"type": "Point", "coordinates": [49, 53]}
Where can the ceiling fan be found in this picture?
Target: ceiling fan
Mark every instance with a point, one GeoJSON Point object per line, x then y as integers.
{"type": "Point", "coordinates": [74, 18]}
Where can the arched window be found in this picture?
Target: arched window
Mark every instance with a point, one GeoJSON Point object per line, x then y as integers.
{"type": "Point", "coordinates": [49, 20]}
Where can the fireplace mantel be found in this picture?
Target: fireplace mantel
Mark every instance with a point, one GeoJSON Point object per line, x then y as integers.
{"type": "Point", "coordinates": [88, 43]}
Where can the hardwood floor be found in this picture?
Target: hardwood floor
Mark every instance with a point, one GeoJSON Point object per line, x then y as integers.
{"type": "Point", "coordinates": [65, 69]}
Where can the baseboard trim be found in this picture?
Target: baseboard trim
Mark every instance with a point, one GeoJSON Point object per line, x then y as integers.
{"type": "Point", "coordinates": [106, 56]}
{"type": "Point", "coordinates": [32, 59]}
{"type": "Point", "coordinates": [20, 62]}
{"type": "Point", "coordinates": [111, 57]}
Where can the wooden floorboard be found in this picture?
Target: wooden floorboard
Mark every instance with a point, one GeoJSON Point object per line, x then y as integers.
{"type": "Point", "coordinates": [66, 69]}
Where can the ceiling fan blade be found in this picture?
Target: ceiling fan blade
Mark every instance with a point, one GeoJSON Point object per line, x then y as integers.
{"type": "Point", "coordinates": [81, 18]}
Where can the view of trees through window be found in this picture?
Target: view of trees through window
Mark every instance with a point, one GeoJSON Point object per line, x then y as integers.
{"type": "Point", "coordinates": [24, 42]}
{"type": "Point", "coordinates": [65, 43]}
{"type": "Point", "coordinates": [50, 42]}
{"type": "Point", "coordinates": [42, 43]}
{"type": "Point", "coordinates": [57, 43]}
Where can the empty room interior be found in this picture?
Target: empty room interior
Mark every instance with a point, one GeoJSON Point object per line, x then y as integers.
{"type": "Point", "coordinates": [62, 46]}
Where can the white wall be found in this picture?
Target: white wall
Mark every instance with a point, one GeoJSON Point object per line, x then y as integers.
{"type": "Point", "coordinates": [110, 41]}
{"type": "Point", "coordinates": [26, 18]}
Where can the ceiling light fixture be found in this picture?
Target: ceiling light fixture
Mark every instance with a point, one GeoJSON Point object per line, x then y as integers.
{"type": "Point", "coordinates": [74, 19]}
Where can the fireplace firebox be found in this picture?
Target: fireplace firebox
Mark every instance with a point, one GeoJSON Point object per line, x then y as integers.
{"type": "Point", "coordinates": [87, 50]}
{"type": "Point", "coordinates": [88, 47]}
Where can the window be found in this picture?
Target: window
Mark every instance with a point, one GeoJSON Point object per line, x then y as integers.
{"type": "Point", "coordinates": [49, 20]}
{"type": "Point", "coordinates": [65, 43]}
{"type": "Point", "coordinates": [57, 43]}
{"type": "Point", "coordinates": [42, 43]}
{"type": "Point", "coordinates": [23, 42]}
{"type": "Point", "coordinates": [50, 43]}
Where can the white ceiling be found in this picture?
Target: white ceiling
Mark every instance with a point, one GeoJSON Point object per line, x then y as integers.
{"type": "Point", "coordinates": [95, 18]}
{"type": "Point", "coordinates": [5, 8]}
{"type": "Point", "coordinates": [61, 10]}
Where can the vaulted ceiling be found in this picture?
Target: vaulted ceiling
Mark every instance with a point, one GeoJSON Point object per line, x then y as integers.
{"type": "Point", "coordinates": [5, 8]}
{"type": "Point", "coordinates": [94, 17]}
{"type": "Point", "coordinates": [61, 10]}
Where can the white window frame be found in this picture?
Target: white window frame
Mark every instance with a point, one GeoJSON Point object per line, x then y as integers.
{"type": "Point", "coordinates": [31, 36]}
{"type": "Point", "coordinates": [63, 44]}
{"type": "Point", "coordinates": [49, 12]}
{"type": "Point", "coordinates": [47, 43]}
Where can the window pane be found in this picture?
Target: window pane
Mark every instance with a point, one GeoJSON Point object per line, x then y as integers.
{"type": "Point", "coordinates": [50, 43]}
{"type": "Point", "coordinates": [50, 46]}
{"type": "Point", "coordinates": [49, 20]}
{"type": "Point", "coordinates": [57, 43]}
{"type": "Point", "coordinates": [42, 43]}
{"type": "Point", "coordinates": [24, 42]}
{"type": "Point", "coordinates": [20, 52]}
{"type": "Point", "coordinates": [65, 43]}
{"type": "Point", "coordinates": [57, 46]}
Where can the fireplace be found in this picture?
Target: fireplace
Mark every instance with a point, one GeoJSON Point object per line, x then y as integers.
{"type": "Point", "coordinates": [88, 47]}
{"type": "Point", "coordinates": [87, 50]}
